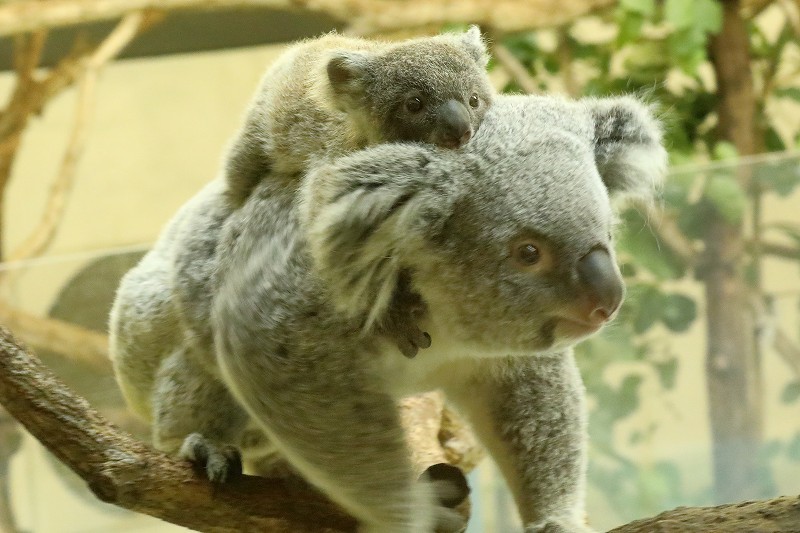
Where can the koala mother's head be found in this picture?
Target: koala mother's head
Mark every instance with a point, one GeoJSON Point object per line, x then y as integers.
{"type": "Point", "coordinates": [509, 242]}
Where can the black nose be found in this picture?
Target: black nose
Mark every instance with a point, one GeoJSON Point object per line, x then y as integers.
{"type": "Point", "coordinates": [453, 124]}
{"type": "Point", "coordinates": [602, 282]}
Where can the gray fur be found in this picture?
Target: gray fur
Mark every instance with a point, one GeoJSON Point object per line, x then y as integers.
{"type": "Point", "coordinates": [295, 276]}
{"type": "Point", "coordinates": [332, 95]}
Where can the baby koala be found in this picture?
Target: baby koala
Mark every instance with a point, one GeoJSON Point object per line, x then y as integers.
{"type": "Point", "coordinates": [327, 97]}
{"type": "Point", "coordinates": [330, 96]}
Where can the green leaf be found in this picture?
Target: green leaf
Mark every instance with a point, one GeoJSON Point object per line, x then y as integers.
{"type": "Point", "coordinates": [780, 177]}
{"type": "Point", "coordinates": [667, 372]}
{"type": "Point", "coordinates": [680, 13]}
{"type": "Point", "coordinates": [724, 150]}
{"type": "Point", "coordinates": [788, 92]}
{"type": "Point", "coordinates": [727, 197]}
{"type": "Point", "coordinates": [678, 312]}
{"type": "Point", "coordinates": [629, 27]}
{"type": "Point", "coordinates": [708, 15]}
{"type": "Point", "coordinates": [773, 141]}
{"type": "Point", "coordinates": [793, 449]}
{"type": "Point", "coordinates": [646, 8]}
{"type": "Point", "coordinates": [705, 15]}
{"type": "Point", "coordinates": [648, 308]}
{"type": "Point", "coordinates": [693, 220]}
{"type": "Point", "coordinates": [791, 392]}
{"type": "Point", "coordinates": [638, 240]}
{"type": "Point", "coordinates": [627, 397]}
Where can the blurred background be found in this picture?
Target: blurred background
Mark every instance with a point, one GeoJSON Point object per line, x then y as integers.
{"type": "Point", "coordinates": [115, 112]}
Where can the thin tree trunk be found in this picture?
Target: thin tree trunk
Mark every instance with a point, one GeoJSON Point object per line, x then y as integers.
{"type": "Point", "coordinates": [734, 374]}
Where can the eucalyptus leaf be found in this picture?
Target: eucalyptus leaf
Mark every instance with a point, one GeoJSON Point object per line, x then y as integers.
{"type": "Point", "coordinates": [646, 8]}
{"type": "Point", "coordinates": [678, 312]}
{"type": "Point", "coordinates": [793, 449]}
{"type": "Point", "coordinates": [791, 392]}
{"type": "Point", "coordinates": [727, 197]}
{"type": "Point", "coordinates": [667, 372]}
{"type": "Point", "coordinates": [788, 92]}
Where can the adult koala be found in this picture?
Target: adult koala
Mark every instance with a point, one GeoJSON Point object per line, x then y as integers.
{"type": "Point", "coordinates": [507, 241]}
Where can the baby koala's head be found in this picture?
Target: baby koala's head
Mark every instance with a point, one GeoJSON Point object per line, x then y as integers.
{"type": "Point", "coordinates": [432, 89]}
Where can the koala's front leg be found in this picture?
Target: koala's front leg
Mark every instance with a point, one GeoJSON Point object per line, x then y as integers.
{"type": "Point", "coordinates": [529, 412]}
{"type": "Point", "coordinates": [400, 324]}
{"type": "Point", "coordinates": [196, 418]}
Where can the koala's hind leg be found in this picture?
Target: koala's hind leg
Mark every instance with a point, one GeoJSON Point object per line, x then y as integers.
{"type": "Point", "coordinates": [529, 413]}
{"type": "Point", "coordinates": [196, 418]}
{"type": "Point", "coordinates": [341, 435]}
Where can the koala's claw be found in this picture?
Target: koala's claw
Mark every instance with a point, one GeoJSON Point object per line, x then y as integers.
{"type": "Point", "coordinates": [221, 462]}
{"type": "Point", "coordinates": [400, 325]}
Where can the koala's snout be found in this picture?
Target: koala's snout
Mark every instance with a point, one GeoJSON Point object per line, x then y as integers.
{"type": "Point", "coordinates": [453, 125]}
{"type": "Point", "coordinates": [600, 278]}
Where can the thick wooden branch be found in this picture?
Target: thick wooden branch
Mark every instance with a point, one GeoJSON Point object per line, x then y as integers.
{"type": "Point", "coordinates": [56, 336]}
{"type": "Point", "coordinates": [123, 471]}
{"type": "Point", "coordinates": [781, 515]}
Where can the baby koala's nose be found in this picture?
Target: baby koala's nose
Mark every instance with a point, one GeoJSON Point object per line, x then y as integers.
{"type": "Point", "coordinates": [454, 125]}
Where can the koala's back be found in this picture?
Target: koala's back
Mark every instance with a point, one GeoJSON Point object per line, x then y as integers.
{"type": "Point", "coordinates": [296, 109]}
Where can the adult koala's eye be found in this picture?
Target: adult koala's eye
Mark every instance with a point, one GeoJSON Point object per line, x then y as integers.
{"type": "Point", "coordinates": [414, 104]}
{"type": "Point", "coordinates": [527, 254]}
{"type": "Point", "coordinates": [474, 101]}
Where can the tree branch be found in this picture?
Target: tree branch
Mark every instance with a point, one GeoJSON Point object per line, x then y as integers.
{"type": "Point", "coordinates": [364, 16]}
{"type": "Point", "coordinates": [518, 72]}
{"type": "Point", "coordinates": [68, 340]}
{"type": "Point", "coordinates": [125, 472]}
{"type": "Point", "coordinates": [780, 515]}
{"type": "Point", "coordinates": [41, 237]}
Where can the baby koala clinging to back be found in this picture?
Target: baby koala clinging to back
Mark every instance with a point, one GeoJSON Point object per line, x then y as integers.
{"type": "Point", "coordinates": [329, 96]}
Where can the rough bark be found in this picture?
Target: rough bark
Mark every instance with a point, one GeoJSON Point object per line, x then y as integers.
{"type": "Point", "coordinates": [780, 515]}
{"type": "Point", "coordinates": [123, 471]}
{"type": "Point", "coordinates": [734, 376]}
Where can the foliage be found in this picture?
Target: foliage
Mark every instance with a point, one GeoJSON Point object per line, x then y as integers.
{"type": "Point", "coordinates": [659, 50]}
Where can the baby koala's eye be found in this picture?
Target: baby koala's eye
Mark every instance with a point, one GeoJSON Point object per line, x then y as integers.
{"type": "Point", "coordinates": [527, 254]}
{"type": "Point", "coordinates": [414, 104]}
{"type": "Point", "coordinates": [474, 101]}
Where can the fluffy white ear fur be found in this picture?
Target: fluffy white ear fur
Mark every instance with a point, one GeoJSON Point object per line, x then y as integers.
{"type": "Point", "coordinates": [360, 220]}
{"type": "Point", "coordinates": [628, 149]}
{"type": "Point", "coordinates": [474, 44]}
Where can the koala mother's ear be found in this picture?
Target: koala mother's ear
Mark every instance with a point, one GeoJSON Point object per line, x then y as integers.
{"type": "Point", "coordinates": [363, 215]}
{"type": "Point", "coordinates": [628, 146]}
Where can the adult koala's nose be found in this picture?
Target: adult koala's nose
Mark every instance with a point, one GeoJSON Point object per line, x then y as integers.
{"type": "Point", "coordinates": [454, 127]}
{"type": "Point", "coordinates": [600, 279]}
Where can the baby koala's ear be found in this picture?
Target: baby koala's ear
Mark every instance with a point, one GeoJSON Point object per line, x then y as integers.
{"type": "Point", "coordinates": [628, 146]}
{"type": "Point", "coordinates": [474, 45]}
{"type": "Point", "coordinates": [346, 72]}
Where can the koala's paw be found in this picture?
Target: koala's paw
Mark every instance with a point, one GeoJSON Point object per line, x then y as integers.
{"type": "Point", "coordinates": [450, 488]}
{"type": "Point", "coordinates": [557, 525]}
{"type": "Point", "coordinates": [449, 484]}
{"type": "Point", "coordinates": [221, 462]}
{"type": "Point", "coordinates": [400, 323]}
